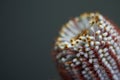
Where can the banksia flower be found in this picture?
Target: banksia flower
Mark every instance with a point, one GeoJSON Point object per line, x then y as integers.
{"type": "Point", "coordinates": [88, 48]}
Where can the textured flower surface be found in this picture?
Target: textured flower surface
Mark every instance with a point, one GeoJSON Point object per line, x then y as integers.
{"type": "Point", "coordinates": [88, 48]}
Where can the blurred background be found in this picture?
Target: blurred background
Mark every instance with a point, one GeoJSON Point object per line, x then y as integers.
{"type": "Point", "coordinates": [28, 30]}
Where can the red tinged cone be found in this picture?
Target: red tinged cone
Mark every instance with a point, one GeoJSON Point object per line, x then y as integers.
{"type": "Point", "coordinates": [88, 48]}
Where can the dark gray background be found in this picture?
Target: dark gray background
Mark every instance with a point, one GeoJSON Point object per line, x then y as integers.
{"type": "Point", "coordinates": [28, 29]}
